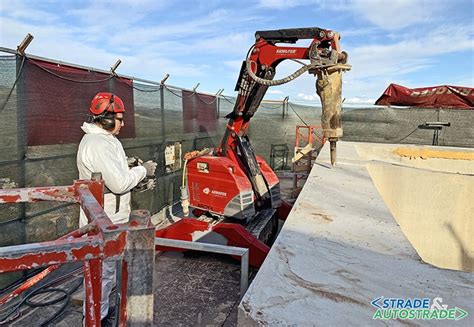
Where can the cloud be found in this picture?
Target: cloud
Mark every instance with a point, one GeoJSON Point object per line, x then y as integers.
{"type": "Point", "coordinates": [21, 10]}
{"type": "Point", "coordinates": [181, 35]}
{"type": "Point", "coordinates": [359, 101]}
{"type": "Point", "coordinates": [406, 60]}
{"type": "Point", "coordinates": [346, 33]}
{"type": "Point", "coordinates": [228, 74]}
{"type": "Point", "coordinates": [220, 44]}
{"type": "Point", "coordinates": [147, 50]}
{"type": "Point", "coordinates": [403, 42]}
{"type": "Point", "coordinates": [309, 97]}
{"type": "Point", "coordinates": [466, 80]}
{"type": "Point", "coordinates": [233, 64]}
{"type": "Point", "coordinates": [397, 14]}
{"type": "Point", "coordinates": [112, 30]}
{"type": "Point", "coordinates": [107, 12]}
{"type": "Point", "coordinates": [411, 54]}
{"type": "Point", "coordinates": [281, 4]}
{"type": "Point", "coordinates": [375, 66]}
{"type": "Point", "coordinates": [275, 92]}
{"type": "Point", "coordinates": [393, 15]}
{"type": "Point", "coordinates": [139, 63]}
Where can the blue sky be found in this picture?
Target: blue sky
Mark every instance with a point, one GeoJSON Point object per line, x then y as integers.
{"type": "Point", "coordinates": [413, 43]}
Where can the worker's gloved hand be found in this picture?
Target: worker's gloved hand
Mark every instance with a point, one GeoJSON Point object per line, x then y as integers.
{"type": "Point", "coordinates": [145, 185]}
{"type": "Point", "coordinates": [150, 167]}
{"type": "Point", "coordinates": [134, 161]}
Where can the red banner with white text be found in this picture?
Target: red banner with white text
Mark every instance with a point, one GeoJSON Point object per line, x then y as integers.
{"type": "Point", "coordinates": [444, 96]}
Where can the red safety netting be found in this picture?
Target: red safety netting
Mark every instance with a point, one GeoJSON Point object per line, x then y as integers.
{"type": "Point", "coordinates": [444, 96]}
{"type": "Point", "coordinates": [199, 112]}
{"type": "Point", "coordinates": [56, 100]}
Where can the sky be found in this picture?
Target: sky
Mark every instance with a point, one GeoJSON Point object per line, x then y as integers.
{"type": "Point", "coordinates": [414, 43]}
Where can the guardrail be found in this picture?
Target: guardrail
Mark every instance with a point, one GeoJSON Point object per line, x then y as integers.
{"type": "Point", "coordinates": [243, 253]}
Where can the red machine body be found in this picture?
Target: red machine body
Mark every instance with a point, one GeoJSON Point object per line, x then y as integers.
{"type": "Point", "coordinates": [219, 185]}
{"type": "Point", "coordinates": [233, 181]}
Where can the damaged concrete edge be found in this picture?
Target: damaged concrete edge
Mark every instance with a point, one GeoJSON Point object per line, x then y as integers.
{"type": "Point", "coordinates": [429, 153]}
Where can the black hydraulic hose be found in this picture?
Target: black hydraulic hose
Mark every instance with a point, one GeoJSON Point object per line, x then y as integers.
{"type": "Point", "coordinates": [7, 318]}
{"type": "Point", "coordinates": [64, 305]}
{"type": "Point", "coordinates": [34, 304]}
{"type": "Point", "coordinates": [44, 289]}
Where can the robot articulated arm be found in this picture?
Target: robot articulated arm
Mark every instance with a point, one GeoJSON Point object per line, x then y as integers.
{"type": "Point", "coordinates": [326, 60]}
{"type": "Point", "coordinates": [233, 181]}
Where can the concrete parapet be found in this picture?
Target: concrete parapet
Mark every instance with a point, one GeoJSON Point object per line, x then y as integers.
{"type": "Point", "coordinates": [428, 191]}
{"type": "Point", "coordinates": [341, 248]}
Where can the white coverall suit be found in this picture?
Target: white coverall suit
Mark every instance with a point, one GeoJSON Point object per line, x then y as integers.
{"type": "Point", "coordinates": [100, 151]}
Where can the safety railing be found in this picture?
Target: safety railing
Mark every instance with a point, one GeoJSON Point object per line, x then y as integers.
{"type": "Point", "coordinates": [243, 253]}
{"type": "Point", "coordinates": [132, 243]}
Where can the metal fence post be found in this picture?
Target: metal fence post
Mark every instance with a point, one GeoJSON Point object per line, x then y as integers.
{"type": "Point", "coordinates": [136, 307]}
{"type": "Point", "coordinates": [285, 107]}
{"type": "Point", "coordinates": [162, 108]}
{"type": "Point", "coordinates": [21, 125]}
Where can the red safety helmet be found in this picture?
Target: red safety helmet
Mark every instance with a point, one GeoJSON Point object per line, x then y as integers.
{"type": "Point", "coordinates": [104, 101]}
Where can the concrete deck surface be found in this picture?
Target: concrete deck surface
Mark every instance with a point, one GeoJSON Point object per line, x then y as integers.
{"type": "Point", "coordinates": [340, 249]}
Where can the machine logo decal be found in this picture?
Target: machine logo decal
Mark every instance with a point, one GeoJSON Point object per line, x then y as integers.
{"type": "Point", "coordinates": [219, 193]}
{"type": "Point", "coordinates": [285, 51]}
{"type": "Point", "coordinates": [207, 190]}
